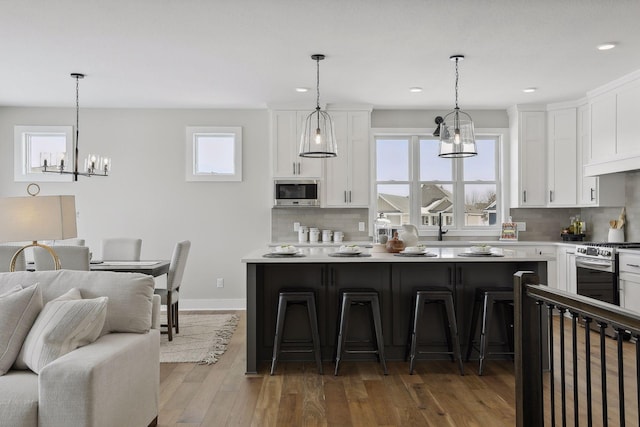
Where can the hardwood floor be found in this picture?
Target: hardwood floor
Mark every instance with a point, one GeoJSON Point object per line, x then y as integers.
{"type": "Point", "coordinates": [436, 395]}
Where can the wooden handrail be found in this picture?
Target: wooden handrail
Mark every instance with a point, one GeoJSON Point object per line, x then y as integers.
{"type": "Point", "coordinates": [587, 307]}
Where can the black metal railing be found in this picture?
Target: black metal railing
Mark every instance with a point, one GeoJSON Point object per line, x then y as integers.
{"type": "Point", "coordinates": [587, 399]}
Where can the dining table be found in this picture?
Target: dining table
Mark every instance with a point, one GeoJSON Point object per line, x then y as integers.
{"type": "Point", "coordinates": [153, 268]}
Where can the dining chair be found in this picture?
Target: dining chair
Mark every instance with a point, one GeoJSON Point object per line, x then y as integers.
{"type": "Point", "coordinates": [171, 295]}
{"type": "Point", "coordinates": [71, 258]}
{"type": "Point", "coordinates": [121, 249]}
{"type": "Point", "coordinates": [6, 253]}
{"type": "Point", "coordinates": [69, 242]}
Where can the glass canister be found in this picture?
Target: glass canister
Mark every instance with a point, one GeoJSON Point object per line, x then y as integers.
{"type": "Point", "coordinates": [381, 230]}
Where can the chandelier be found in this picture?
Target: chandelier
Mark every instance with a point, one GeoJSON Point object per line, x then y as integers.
{"type": "Point", "coordinates": [93, 165]}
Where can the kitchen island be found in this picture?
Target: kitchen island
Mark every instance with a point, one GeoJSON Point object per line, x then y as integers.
{"type": "Point", "coordinates": [394, 277]}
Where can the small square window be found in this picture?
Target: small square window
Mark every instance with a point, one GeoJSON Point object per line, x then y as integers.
{"type": "Point", "coordinates": [35, 144]}
{"type": "Point", "coordinates": [214, 154]}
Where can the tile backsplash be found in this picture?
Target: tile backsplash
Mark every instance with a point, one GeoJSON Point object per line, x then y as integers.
{"type": "Point", "coordinates": [542, 224]}
{"type": "Point", "coordinates": [335, 219]}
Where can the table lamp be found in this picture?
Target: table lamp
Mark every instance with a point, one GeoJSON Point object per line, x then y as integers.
{"type": "Point", "coordinates": [34, 218]}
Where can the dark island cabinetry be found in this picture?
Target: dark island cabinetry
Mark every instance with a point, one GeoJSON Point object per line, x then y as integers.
{"type": "Point", "coordinates": [395, 283]}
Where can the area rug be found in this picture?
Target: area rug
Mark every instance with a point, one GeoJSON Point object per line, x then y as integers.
{"type": "Point", "coordinates": [203, 338]}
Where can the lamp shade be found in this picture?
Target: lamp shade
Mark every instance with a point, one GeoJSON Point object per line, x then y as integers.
{"type": "Point", "coordinates": [36, 218]}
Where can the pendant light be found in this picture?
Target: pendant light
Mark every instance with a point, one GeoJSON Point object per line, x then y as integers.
{"type": "Point", "coordinates": [457, 137]}
{"type": "Point", "coordinates": [318, 137]}
{"type": "Point", "coordinates": [93, 165]}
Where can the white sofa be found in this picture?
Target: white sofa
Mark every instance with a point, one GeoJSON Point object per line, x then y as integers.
{"type": "Point", "coordinates": [113, 381]}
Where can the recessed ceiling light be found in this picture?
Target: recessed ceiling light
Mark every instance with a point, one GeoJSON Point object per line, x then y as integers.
{"type": "Point", "coordinates": [606, 46]}
{"type": "Point", "coordinates": [415, 89]}
{"type": "Point", "coordinates": [302, 89]}
{"type": "Point", "coordinates": [529, 90]}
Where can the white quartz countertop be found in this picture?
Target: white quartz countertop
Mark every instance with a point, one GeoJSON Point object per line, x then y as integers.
{"type": "Point", "coordinates": [442, 254]}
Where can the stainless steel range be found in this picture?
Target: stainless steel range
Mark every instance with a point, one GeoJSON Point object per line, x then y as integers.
{"type": "Point", "coordinates": [597, 270]}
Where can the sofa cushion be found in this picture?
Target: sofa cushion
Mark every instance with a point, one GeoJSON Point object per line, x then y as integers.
{"type": "Point", "coordinates": [130, 294]}
{"type": "Point", "coordinates": [19, 399]}
{"type": "Point", "coordinates": [18, 311]}
{"type": "Point", "coordinates": [64, 324]}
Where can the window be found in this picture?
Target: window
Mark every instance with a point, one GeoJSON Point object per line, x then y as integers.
{"type": "Point", "coordinates": [214, 154]}
{"type": "Point", "coordinates": [414, 185]}
{"type": "Point", "coordinates": [35, 144]}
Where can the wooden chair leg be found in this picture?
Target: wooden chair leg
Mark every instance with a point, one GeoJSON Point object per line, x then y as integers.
{"type": "Point", "coordinates": [169, 316]}
{"type": "Point", "coordinates": [177, 310]}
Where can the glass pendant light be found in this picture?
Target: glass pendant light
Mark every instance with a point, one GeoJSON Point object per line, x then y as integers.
{"type": "Point", "coordinates": [457, 137]}
{"type": "Point", "coordinates": [318, 137]}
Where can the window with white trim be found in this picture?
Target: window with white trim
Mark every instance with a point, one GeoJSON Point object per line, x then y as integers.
{"type": "Point", "coordinates": [214, 154]}
{"type": "Point", "coordinates": [35, 144]}
{"type": "Point", "coordinates": [414, 185]}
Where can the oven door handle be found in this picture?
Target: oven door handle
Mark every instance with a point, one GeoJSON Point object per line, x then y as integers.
{"type": "Point", "coordinates": [594, 265]}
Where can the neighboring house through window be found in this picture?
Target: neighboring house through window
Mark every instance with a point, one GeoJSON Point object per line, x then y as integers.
{"type": "Point", "coordinates": [414, 185]}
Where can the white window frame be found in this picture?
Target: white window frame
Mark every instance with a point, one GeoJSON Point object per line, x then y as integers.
{"type": "Point", "coordinates": [21, 162]}
{"type": "Point", "coordinates": [502, 187]}
{"type": "Point", "coordinates": [191, 154]}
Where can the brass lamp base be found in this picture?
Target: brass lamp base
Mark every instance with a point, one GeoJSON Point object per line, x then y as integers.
{"type": "Point", "coordinates": [56, 260]}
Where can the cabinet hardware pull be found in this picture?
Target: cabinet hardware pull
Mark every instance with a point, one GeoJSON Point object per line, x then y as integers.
{"type": "Point", "coordinates": [298, 168]}
{"type": "Point", "coordinates": [345, 196]}
{"type": "Point", "coordinates": [593, 197]}
{"type": "Point", "coordinates": [524, 196]}
{"type": "Point", "coordinates": [349, 196]}
{"type": "Point", "coordinates": [294, 167]}
{"type": "Point", "coordinates": [633, 265]}
{"type": "Point", "coordinates": [550, 196]}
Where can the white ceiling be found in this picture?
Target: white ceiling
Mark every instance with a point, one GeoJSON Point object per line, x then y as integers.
{"type": "Point", "coordinates": [254, 53]}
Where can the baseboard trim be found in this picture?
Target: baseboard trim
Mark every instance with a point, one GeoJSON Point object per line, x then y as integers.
{"type": "Point", "coordinates": [213, 304]}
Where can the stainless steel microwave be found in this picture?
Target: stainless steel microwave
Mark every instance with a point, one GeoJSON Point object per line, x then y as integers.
{"type": "Point", "coordinates": [297, 193]}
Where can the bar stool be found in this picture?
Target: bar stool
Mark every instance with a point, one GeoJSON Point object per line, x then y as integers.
{"type": "Point", "coordinates": [307, 298]}
{"type": "Point", "coordinates": [369, 297]}
{"type": "Point", "coordinates": [487, 298]}
{"type": "Point", "coordinates": [443, 298]}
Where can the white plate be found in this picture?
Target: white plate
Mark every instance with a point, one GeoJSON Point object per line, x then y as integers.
{"type": "Point", "coordinates": [424, 251]}
{"type": "Point", "coordinates": [291, 251]}
{"type": "Point", "coordinates": [349, 252]}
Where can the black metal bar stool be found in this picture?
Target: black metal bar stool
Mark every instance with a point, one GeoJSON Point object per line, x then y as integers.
{"type": "Point", "coordinates": [488, 299]}
{"type": "Point", "coordinates": [349, 297]}
{"type": "Point", "coordinates": [307, 298]}
{"type": "Point", "coordinates": [443, 298]}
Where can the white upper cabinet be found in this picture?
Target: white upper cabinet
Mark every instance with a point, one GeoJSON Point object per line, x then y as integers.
{"type": "Point", "coordinates": [562, 157]}
{"type": "Point", "coordinates": [605, 190]}
{"type": "Point", "coordinates": [528, 134]}
{"type": "Point", "coordinates": [614, 142]}
{"type": "Point", "coordinates": [286, 128]}
{"type": "Point", "coordinates": [347, 175]}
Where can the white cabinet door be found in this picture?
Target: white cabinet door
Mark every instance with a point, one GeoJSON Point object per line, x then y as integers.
{"type": "Point", "coordinates": [604, 190]}
{"type": "Point", "coordinates": [532, 159]}
{"type": "Point", "coordinates": [347, 175]}
{"type": "Point", "coordinates": [561, 157]}
{"type": "Point", "coordinates": [286, 128]}
{"type": "Point", "coordinates": [603, 128]}
{"type": "Point", "coordinates": [629, 281]}
{"type": "Point", "coordinates": [572, 273]}
{"type": "Point", "coordinates": [628, 112]}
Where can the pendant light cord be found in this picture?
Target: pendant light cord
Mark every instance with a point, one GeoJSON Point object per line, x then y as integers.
{"type": "Point", "coordinates": [77, 125]}
{"type": "Point", "coordinates": [457, 84]}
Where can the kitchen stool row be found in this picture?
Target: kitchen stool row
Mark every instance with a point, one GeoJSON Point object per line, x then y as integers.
{"type": "Point", "coordinates": [484, 302]}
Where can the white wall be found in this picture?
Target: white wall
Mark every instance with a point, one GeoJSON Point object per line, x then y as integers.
{"type": "Point", "coordinates": [147, 196]}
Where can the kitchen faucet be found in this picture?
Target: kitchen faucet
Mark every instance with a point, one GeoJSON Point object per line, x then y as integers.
{"type": "Point", "coordinates": [440, 231]}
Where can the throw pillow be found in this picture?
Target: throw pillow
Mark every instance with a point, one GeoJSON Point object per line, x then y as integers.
{"type": "Point", "coordinates": [18, 311]}
{"type": "Point", "coordinates": [63, 325]}
{"type": "Point", "coordinates": [16, 288]}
